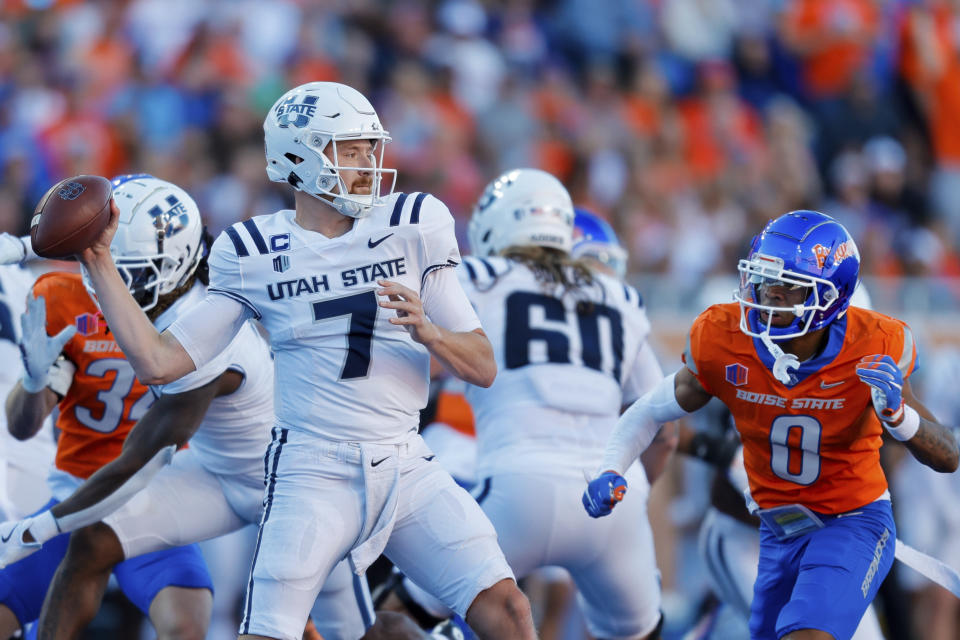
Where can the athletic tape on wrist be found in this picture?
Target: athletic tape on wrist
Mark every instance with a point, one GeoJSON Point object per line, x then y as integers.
{"type": "Point", "coordinates": [908, 428]}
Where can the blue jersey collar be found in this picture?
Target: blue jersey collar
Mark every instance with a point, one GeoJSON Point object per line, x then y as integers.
{"type": "Point", "coordinates": [835, 338]}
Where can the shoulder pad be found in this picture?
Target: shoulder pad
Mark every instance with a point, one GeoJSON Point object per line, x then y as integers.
{"type": "Point", "coordinates": [246, 238]}
{"type": "Point", "coordinates": [414, 208]}
{"type": "Point", "coordinates": [483, 272]}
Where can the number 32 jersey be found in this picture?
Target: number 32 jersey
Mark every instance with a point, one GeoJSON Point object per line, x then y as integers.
{"type": "Point", "coordinates": [816, 442]}
{"type": "Point", "coordinates": [563, 372]}
{"type": "Point", "coordinates": [343, 371]}
{"type": "Point", "coordinates": [105, 399]}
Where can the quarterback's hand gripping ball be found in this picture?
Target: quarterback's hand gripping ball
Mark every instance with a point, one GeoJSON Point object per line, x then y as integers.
{"type": "Point", "coordinates": [603, 493]}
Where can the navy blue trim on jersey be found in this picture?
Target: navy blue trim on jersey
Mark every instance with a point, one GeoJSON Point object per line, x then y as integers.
{"type": "Point", "coordinates": [258, 240]}
{"type": "Point", "coordinates": [484, 491]}
{"type": "Point", "coordinates": [436, 267]}
{"type": "Point", "coordinates": [836, 336]}
{"type": "Point", "coordinates": [415, 213]}
{"type": "Point", "coordinates": [470, 270]}
{"type": "Point", "coordinates": [489, 267]}
{"type": "Point", "coordinates": [238, 245]}
{"type": "Point", "coordinates": [397, 210]}
{"type": "Point", "coordinates": [366, 613]}
{"type": "Point", "coordinates": [271, 482]}
{"type": "Point", "coordinates": [239, 298]}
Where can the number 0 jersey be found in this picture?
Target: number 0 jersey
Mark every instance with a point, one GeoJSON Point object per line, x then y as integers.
{"type": "Point", "coordinates": [816, 442]}
{"type": "Point", "coordinates": [563, 373]}
{"type": "Point", "coordinates": [105, 399]}
{"type": "Point", "coordinates": [343, 370]}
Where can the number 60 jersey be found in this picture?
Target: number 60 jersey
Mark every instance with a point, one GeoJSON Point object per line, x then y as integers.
{"type": "Point", "coordinates": [566, 364]}
{"type": "Point", "coordinates": [343, 371]}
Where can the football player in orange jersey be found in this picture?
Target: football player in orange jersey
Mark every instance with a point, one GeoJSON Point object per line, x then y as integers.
{"type": "Point", "coordinates": [99, 404]}
{"type": "Point", "coordinates": [812, 383]}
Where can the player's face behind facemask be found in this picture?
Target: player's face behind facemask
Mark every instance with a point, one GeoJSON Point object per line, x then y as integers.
{"type": "Point", "coordinates": [798, 277]}
{"type": "Point", "coordinates": [159, 243]}
{"type": "Point", "coordinates": [306, 137]}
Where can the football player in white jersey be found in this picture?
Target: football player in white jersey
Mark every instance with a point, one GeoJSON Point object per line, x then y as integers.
{"type": "Point", "coordinates": [354, 289]}
{"type": "Point", "coordinates": [23, 465]}
{"type": "Point", "coordinates": [225, 409]}
{"type": "Point", "coordinates": [571, 350]}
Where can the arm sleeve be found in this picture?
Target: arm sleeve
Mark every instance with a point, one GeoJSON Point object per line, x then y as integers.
{"type": "Point", "coordinates": [446, 304]}
{"type": "Point", "coordinates": [438, 238]}
{"type": "Point", "coordinates": [202, 339]}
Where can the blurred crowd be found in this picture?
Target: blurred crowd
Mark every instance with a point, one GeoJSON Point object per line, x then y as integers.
{"type": "Point", "coordinates": [688, 123]}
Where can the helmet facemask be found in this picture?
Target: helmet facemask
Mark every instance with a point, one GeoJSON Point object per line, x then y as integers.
{"type": "Point", "coordinates": [329, 183]}
{"type": "Point", "coordinates": [766, 271]}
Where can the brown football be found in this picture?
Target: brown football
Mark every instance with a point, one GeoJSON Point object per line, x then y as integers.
{"type": "Point", "coordinates": [70, 216]}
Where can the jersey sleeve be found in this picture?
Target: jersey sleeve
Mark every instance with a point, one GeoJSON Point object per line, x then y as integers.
{"type": "Point", "coordinates": [646, 373]}
{"type": "Point", "coordinates": [694, 353]}
{"type": "Point", "coordinates": [446, 304]}
{"type": "Point", "coordinates": [226, 272]}
{"type": "Point", "coordinates": [211, 370]}
{"type": "Point", "coordinates": [908, 361]}
{"type": "Point", "coordinates": [438, 237]}
{"type": "Point", "coordinates": [208, 327]}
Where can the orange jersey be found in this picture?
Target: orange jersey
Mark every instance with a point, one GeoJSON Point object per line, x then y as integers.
{"type": "Point", "coordinates": [816, 443]}
{"type": "Point", "coordinates": [105, 399]}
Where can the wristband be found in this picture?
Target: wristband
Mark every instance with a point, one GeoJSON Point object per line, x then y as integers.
{"type": "Point", "coordinates": [908, 427]}
{"type": "Point", "coordinates": [43, 527]}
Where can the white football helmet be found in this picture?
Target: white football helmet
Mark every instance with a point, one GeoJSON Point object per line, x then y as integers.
{"type": "Point", "coordinates": [299, 127]}
{"type": "Point", "coordinates": [522, 207]}
{"type": "Point", "coordinates": [159, 238]}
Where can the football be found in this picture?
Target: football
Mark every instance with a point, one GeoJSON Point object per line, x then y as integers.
{"type": "Point", "coordinates": [70, 216]}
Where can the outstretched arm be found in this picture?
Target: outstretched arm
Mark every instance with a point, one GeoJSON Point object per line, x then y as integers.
{"type": "Point", "coordinates": [674, 397]}
{"type": "Point", "coordinates": [171, 421]}
{"type": "Point", "coordinates": [156, 358]}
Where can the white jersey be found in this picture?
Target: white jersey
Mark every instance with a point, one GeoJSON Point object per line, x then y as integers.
{"type": "Point", "coordinates": [15, 284]}
{"type": "Point", "coordinates": [563, 376]}
{"type": "Point", "coordinates": [235, 431]}
{"type": "Point", "coordinates": [344, 372]}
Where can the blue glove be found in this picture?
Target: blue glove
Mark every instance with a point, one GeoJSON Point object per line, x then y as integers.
{"type": "Point", "coordinates": [886, 385]}
{"type": "Point", "coordinates": [603, 493]}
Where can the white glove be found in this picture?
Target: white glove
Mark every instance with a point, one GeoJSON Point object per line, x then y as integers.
{"type": "Point", "coordinates": [42, 526]}
{"type": "Point", "coordinates": [38, 350]}
{"type": "Point", "coordinates": [12, 249]}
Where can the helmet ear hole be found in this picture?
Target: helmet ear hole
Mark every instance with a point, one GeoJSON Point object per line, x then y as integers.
{"type": "Point", "coordinates": [295, 159]}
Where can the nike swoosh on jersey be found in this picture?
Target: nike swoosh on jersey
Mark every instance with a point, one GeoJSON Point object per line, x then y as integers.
{"type": "Point", "coordinates": [374, 463]}
{"type": "Point", "coordinates": [5, 538]}
{"type": "Point", "coordinates": [824, 385]}
{"type": "Point", "coordinates": [371, 243]}
{"type": "Point", "coordinates": [428, 458]}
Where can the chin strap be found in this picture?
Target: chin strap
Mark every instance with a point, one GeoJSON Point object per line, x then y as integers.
{"type": "Point", "coordinates": [783, 362]}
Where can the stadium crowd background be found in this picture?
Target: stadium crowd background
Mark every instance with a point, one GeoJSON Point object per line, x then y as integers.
{"type": "Point", "coordinates": [688, 123]}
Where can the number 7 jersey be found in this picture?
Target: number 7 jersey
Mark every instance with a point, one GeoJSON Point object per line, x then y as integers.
{"type": "Point", "coordinates": [343, 371]}
{"type": "Point", "coordinates": [816, 442]}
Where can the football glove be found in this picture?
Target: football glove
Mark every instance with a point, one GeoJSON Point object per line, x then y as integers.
{"type": "Point", "coordinates": [603, 493]}
{"type": "Point", "coordinates": [12, 249]}
{"type": "Point", "coordinates": [886, 386]}
{"type": "Point", "coordinates": [37, 349]}
{"type": "Point", "coordinates": [13, 547]}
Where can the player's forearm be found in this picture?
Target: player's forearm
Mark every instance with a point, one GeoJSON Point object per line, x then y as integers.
{"type": "Point", "coordinates": [108, 489]}
{"type": "Point", "coordinates": [935, 446]}
{"type": "Point", "coordinates": [148, 353]}
{"type": "Point", "coordinates": [467, 355]}
{"type": "Point", "coordinates": [27, 411]}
